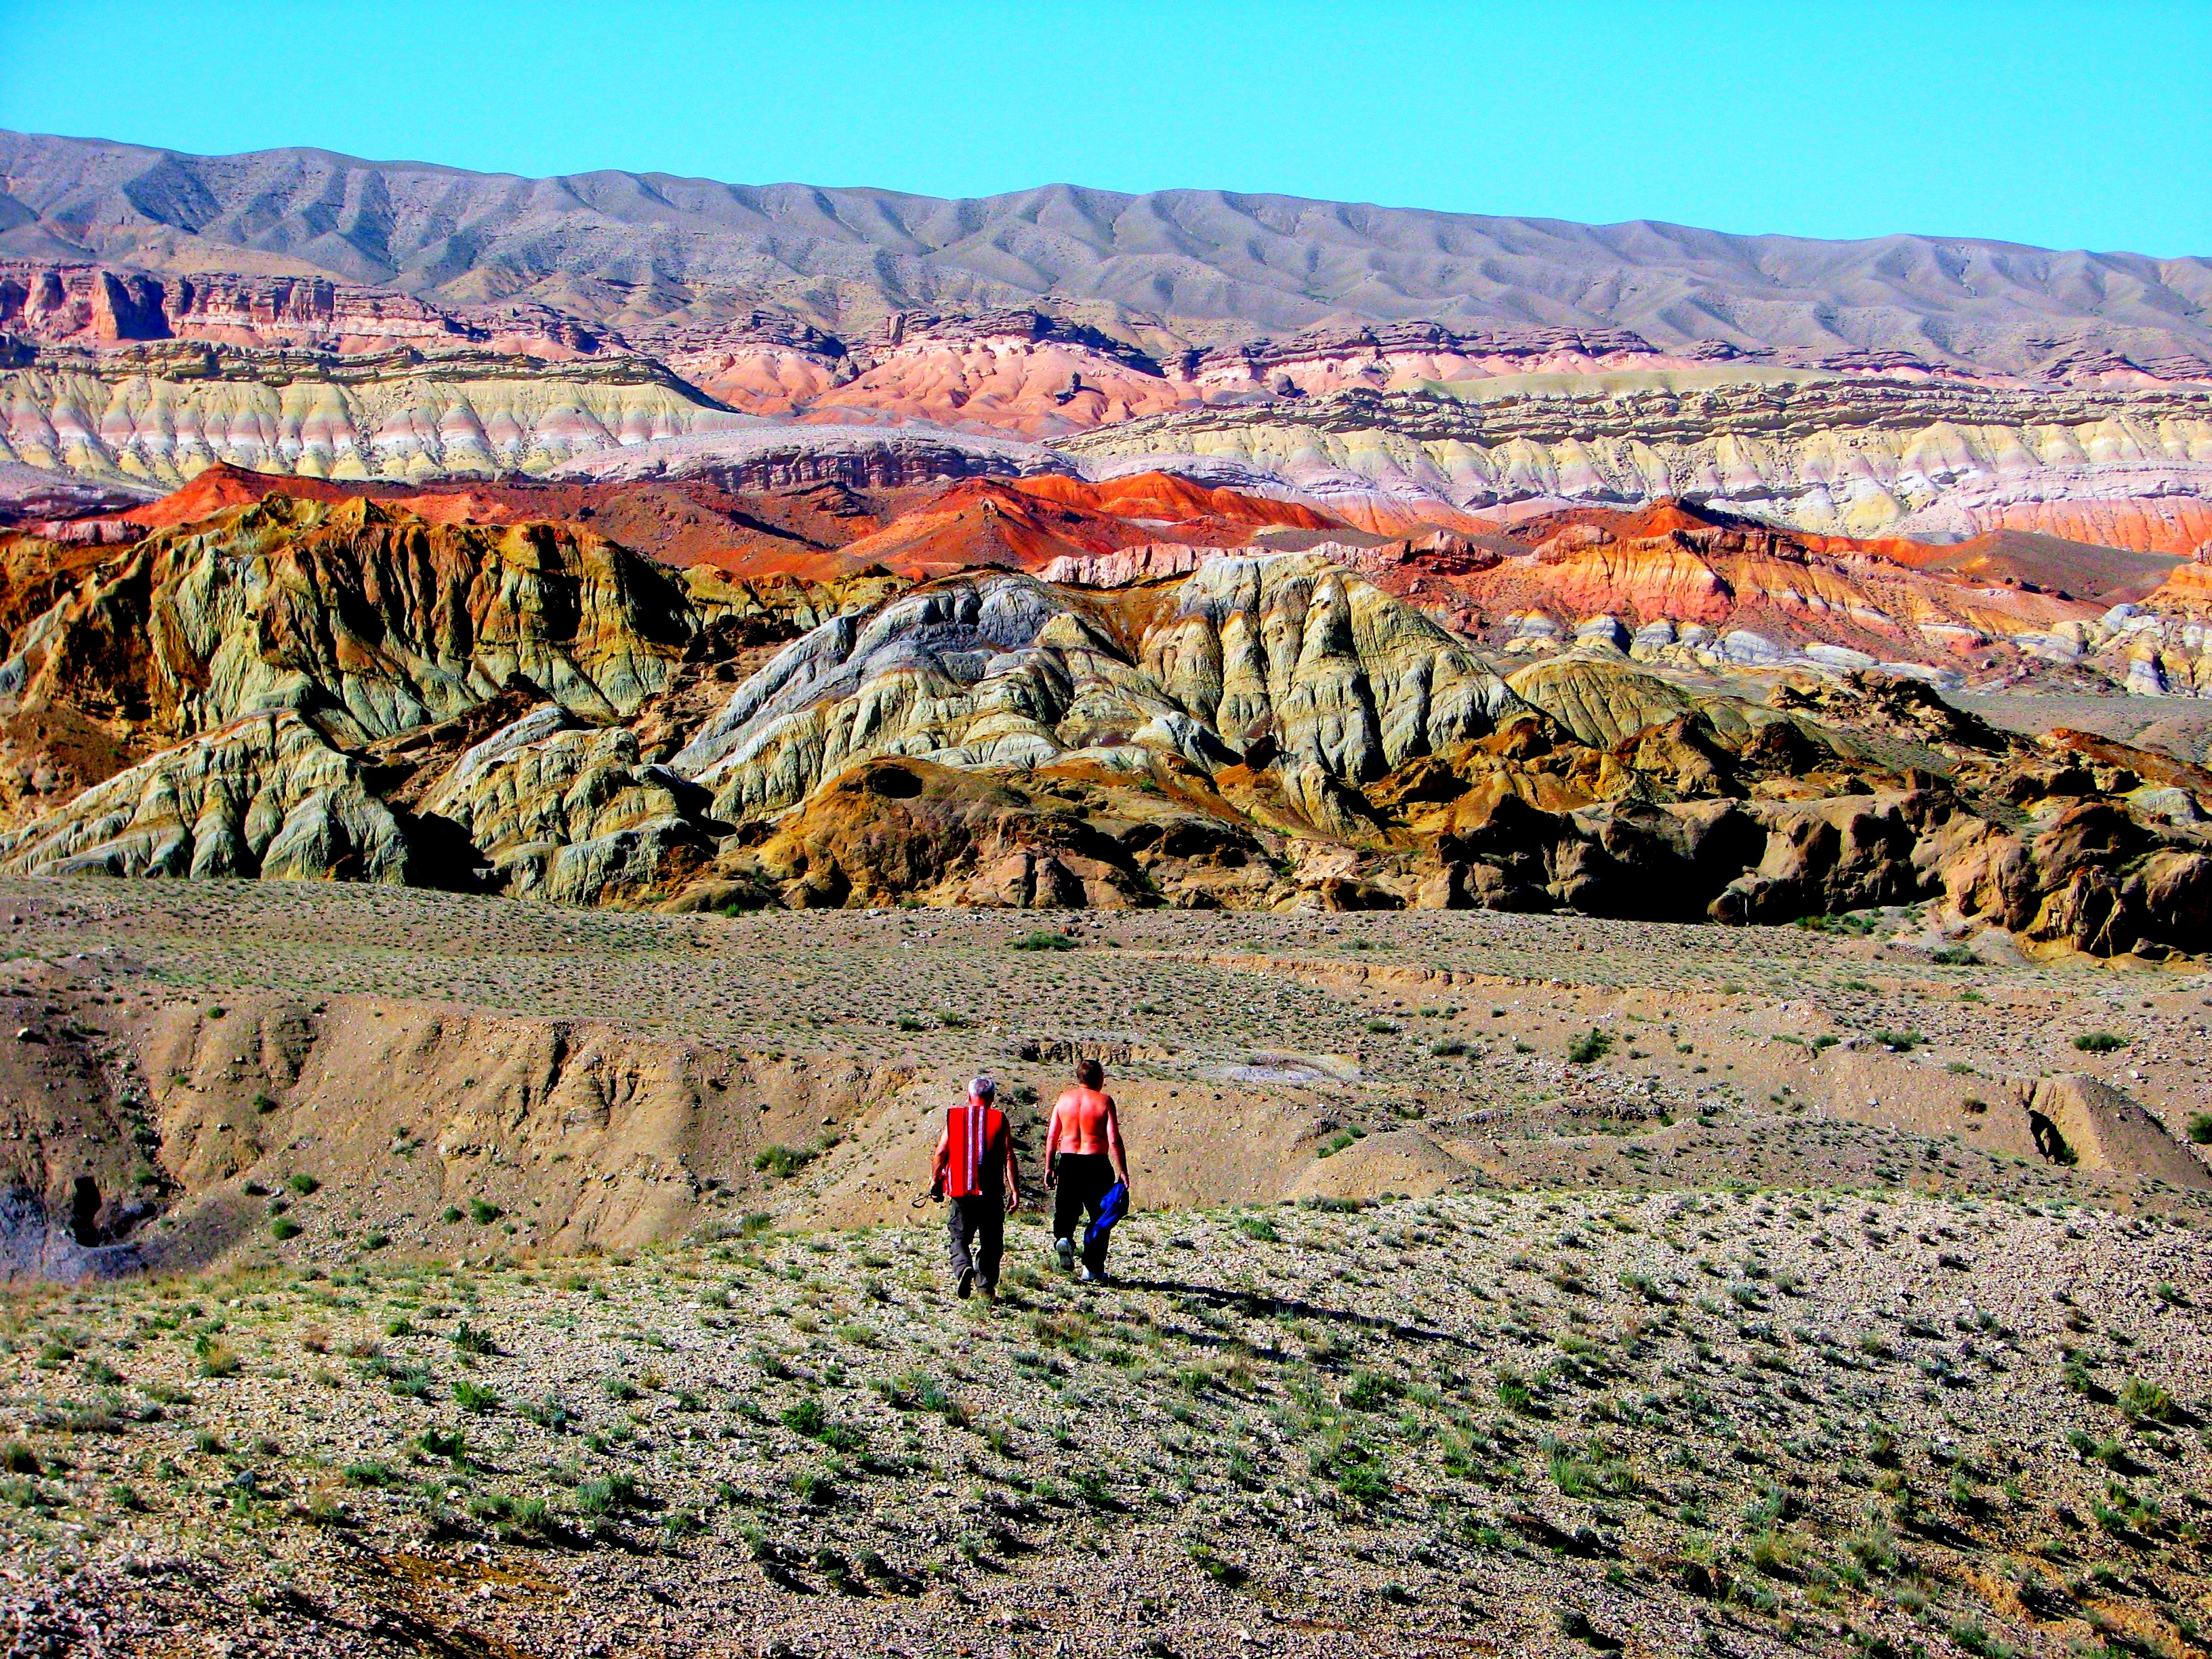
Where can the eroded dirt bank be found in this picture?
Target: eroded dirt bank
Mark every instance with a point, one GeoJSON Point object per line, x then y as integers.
{"type": "Point", "coordinates": [242, 1073]}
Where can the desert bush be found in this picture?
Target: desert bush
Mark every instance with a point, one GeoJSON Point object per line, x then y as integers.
{"type": "Point", "coordinates": [216, 1359]}
{"type": "Point", "coordinates": [783, 1161]}
{"type": "Point", "coordinates": [1590, 1046]}
{"type": "Point", "coordinates": [2144, 1401]}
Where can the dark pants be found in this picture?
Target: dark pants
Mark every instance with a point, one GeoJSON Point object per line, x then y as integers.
{"type": "Point", "coordinates": [983, 1220]}
{"type": "Point", "coordinates": [1084, 1180]}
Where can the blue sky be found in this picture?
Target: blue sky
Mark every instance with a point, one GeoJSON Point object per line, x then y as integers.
{"type": "Point", "coordinates": [2070, 126]}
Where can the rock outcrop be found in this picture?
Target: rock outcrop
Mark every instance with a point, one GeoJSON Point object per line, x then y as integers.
{"type": "Point", "coordinates": [339, 687]}
{"type": "Point", "coordinates": [266, 796]}
{"type": "Point", "coordinates": [1332, 677]}
{"type": "Point", "coordinates": [369, 618]}
{"type": "Point", "coordinates": [570, 813]}
{"type": "Point", "coordinates": [1832, 454]}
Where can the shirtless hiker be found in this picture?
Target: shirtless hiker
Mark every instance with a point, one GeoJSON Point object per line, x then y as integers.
{"type": "Point", "coordinates": [1082, 1158]}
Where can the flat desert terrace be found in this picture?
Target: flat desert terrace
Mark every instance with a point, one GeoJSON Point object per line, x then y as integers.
{"type": "Point", "coordinates": [527, 1280]}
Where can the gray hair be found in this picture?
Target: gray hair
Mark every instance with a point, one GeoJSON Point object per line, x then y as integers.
{"type": "Point", "coordinates": [982, 1088]}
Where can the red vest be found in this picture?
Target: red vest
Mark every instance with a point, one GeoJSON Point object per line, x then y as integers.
{"type": "Point", "coordinates": [978, 1153]}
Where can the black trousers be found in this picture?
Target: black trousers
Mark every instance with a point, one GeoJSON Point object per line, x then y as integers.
{"type": "Point", "coordinates": [1083, 1179]}
{"type": "Point", "coordinates": [982, 1221]}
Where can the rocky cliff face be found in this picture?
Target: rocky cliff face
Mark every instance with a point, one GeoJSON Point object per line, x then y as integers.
{"type": "Point", "coordinates": [98, 305]}
{"type": "Point", "coordinates": [163, 423]}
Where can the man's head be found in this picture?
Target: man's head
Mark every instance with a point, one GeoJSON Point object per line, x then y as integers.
{"type": "Point", "coordinates": [982, 1090]}
{"type": "Point", "coordinates": [1089, 1073]}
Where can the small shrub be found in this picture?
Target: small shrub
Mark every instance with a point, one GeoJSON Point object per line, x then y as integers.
{"type": "Point", "coordinates": [2142, 1401]}
{"type": "Point", "coordinates": [474, 1397]}
{"type": "Point", "coordinates": [783, 1161]}
{"type": "Point", "coordinates": [2200, 1128]}
{"type": "Point", "coordinates": [2098, 1042]}
{"type": "Point", "coordinates": [216, 1359]}
{"type": "Point", "coordinates": [285, 1227]}
{"type": "Point", "coordinates": [1954, 956]}
{"type": "Point", "coordinates": [484, 1211]}
{"type": "Point", "coordinates": [1977, 1641]}
{"type": "Point", "coordinates": [1369, 1392]}
{"type": "Point", "coordinates": [1044, 939]}
{"type": "Point", "coordinates": [303, 1183]}
{"type": "Point", "coordinates": [1514, 1392]}
{"type": "Point", "coordinates": [1205, 1558]}
{"type": "Point", "coordinates": [608, 1494]}
{"type": "Point", "coordinates": [1589, 1048]}
{"type": "Point", "coordinates": [408, 1382]}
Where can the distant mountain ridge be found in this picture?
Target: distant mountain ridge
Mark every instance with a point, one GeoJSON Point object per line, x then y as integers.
{"type": "Point", "coordinates": [1188, 266]}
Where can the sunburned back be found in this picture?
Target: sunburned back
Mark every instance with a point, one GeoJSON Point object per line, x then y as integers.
{"type": "Point", "coordinates": [1079, 1119]}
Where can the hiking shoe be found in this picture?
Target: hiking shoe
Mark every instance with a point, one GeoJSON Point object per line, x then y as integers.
{"type": "Point", "coordinates": [1065, 1249]}
{"type": "Point", "coordinates": [967, 1282]}
{"type": "Point", "coordinates": [990, 1292]}
{"type": "Point", "coordinates": [1084, 1276]}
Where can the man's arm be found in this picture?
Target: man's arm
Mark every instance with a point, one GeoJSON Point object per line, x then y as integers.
{"type": "Point", "coordinates": [1013, 1176]}
{"type": "Point", "coordinates": [941, 1165]}
{"type": "Point", "coordinates": [1114, 1149]}
{"type": "Point", "coordinates": [1052, 1144]}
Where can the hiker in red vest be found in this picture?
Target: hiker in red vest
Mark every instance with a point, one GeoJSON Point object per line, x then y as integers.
{"type": "Point", "coordinates": [974, 1170]}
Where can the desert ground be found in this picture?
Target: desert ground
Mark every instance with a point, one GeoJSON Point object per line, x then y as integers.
{"type": "Point", "coordinates": [521, 1280]}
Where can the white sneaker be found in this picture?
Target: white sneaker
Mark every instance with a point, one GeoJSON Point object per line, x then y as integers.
{"type": "Point", "coordinates": [1084, 1276]}
{"type": "Point", "coordinates": [1064, 1248]}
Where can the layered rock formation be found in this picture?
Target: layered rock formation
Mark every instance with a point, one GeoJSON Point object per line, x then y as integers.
{"type": "Point", "coordinates": [264, 796]}
{"type": "Point", "coordinates": [367, 696]}
{"type": "Point", "coordinates": [159, 423]}
{"type": "Point", "coordinates": [1329, 676]}
{"type": "Point", "coordinates": [1420, 372]}
{"type": "Point", "coordinates": [1833, 454]}
{"type": "Point", "coordinates": [870, 694]}
{"type": "Point", "coordinates": [368, 618]}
